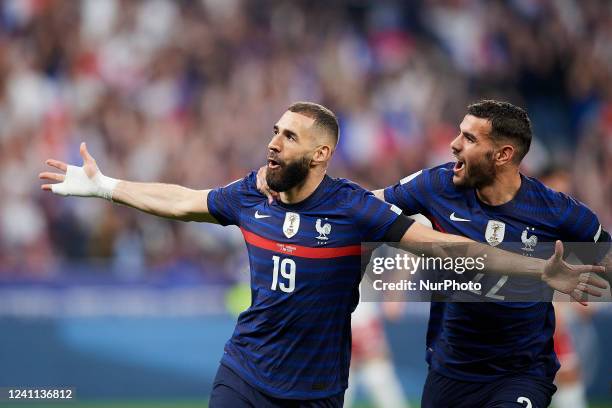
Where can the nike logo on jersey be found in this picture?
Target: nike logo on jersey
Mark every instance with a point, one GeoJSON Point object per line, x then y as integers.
{"type": "Point", "coordinates": [453, 217]}
{"type": "Point", "coordinates": [258, 215]}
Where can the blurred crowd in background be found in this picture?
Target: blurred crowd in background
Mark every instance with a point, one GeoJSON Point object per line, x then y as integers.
{"type": "Point", "coordinates": [188, 91]}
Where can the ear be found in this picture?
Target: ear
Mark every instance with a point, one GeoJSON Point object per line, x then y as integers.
{"type": "Point", "coordinates": [322, 154]}
{"type": "Point", "coordinates": [504, 154]}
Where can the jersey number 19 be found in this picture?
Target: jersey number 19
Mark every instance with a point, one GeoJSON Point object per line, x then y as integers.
{"type": "Point", "coordinates": [287, 271]}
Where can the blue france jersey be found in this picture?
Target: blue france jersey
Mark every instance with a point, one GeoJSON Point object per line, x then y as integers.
{"type": "Point", "coordinates": [294, 341]}
{"type": "Point", "coordinates": [481, 341]}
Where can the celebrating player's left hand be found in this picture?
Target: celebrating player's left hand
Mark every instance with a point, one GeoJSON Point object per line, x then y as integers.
{"type": "Point", "coordinates": [578, 281]}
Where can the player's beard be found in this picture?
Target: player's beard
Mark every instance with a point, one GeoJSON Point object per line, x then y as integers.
{"type": "Point", "coordinates": [288, 174]}
{"type": "Point", "coordinates": [479, 174]}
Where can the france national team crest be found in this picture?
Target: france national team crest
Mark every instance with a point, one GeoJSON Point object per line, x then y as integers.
{"type": "Point", "coordinates": [324, 230]}
{"type": "Point", "coordinates": [495, 232]}
{"type": "Point", "coordinates": [529, 241]}
{"type": "Point", "coordinates": [292, 224]}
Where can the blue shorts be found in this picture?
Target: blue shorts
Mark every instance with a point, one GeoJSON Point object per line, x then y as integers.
{"type": "Point", "coordinates": [520, 391]}
{"type": "Point", "coordinates": [231, 391]}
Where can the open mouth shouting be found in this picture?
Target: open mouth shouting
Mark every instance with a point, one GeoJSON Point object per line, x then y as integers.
{"type": "Point", "coordinates": [459, 166]}
{"type": "Point", "coordinates": [273, 164]}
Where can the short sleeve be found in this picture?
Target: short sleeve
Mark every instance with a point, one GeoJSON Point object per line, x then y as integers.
{"type": "Point", "coordinates": [408, 193]}
{"type": "Point", "coordinates": [373, 217]}
{"type": "Point", "coordinates": [225, 203]}
{"type": "Point", "coordinates": [579, 223]}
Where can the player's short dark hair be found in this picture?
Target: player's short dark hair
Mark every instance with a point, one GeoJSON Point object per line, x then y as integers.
{"type": "Point", "coordinates": [324, 117]}
{"type": "Point", "coordinates": [508, 122]}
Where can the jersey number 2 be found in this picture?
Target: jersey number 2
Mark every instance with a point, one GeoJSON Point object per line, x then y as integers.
{"type": "Point", "coordinates": [287, 271]}
{"type": "Point", "coordinates": [492, 293]}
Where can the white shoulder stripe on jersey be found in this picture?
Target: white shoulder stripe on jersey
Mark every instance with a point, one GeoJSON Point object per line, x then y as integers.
{"type": "Point", "coordinates": [410, 177]}
{"type": "Point", "coordinates": [597, 234]}
{"type": "Point", "coordinates": [235, 181]}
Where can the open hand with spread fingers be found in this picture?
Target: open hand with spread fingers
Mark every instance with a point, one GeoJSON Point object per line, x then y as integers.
{"type": "Point", "coordinates": [578, 281]}
{"type": "Point", "coordinates": [84, 181]}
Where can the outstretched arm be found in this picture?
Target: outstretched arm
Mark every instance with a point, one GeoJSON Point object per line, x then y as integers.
{"type": "Point", "coordinates": [575, 280]}
{"type": "Point", "coordinates": [164, 200]}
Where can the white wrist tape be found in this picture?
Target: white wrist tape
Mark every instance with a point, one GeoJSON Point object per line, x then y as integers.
{"type": "Point", "coordinates": [106, 185]}
{"type": "Point", "coordinates": [77, 183]}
